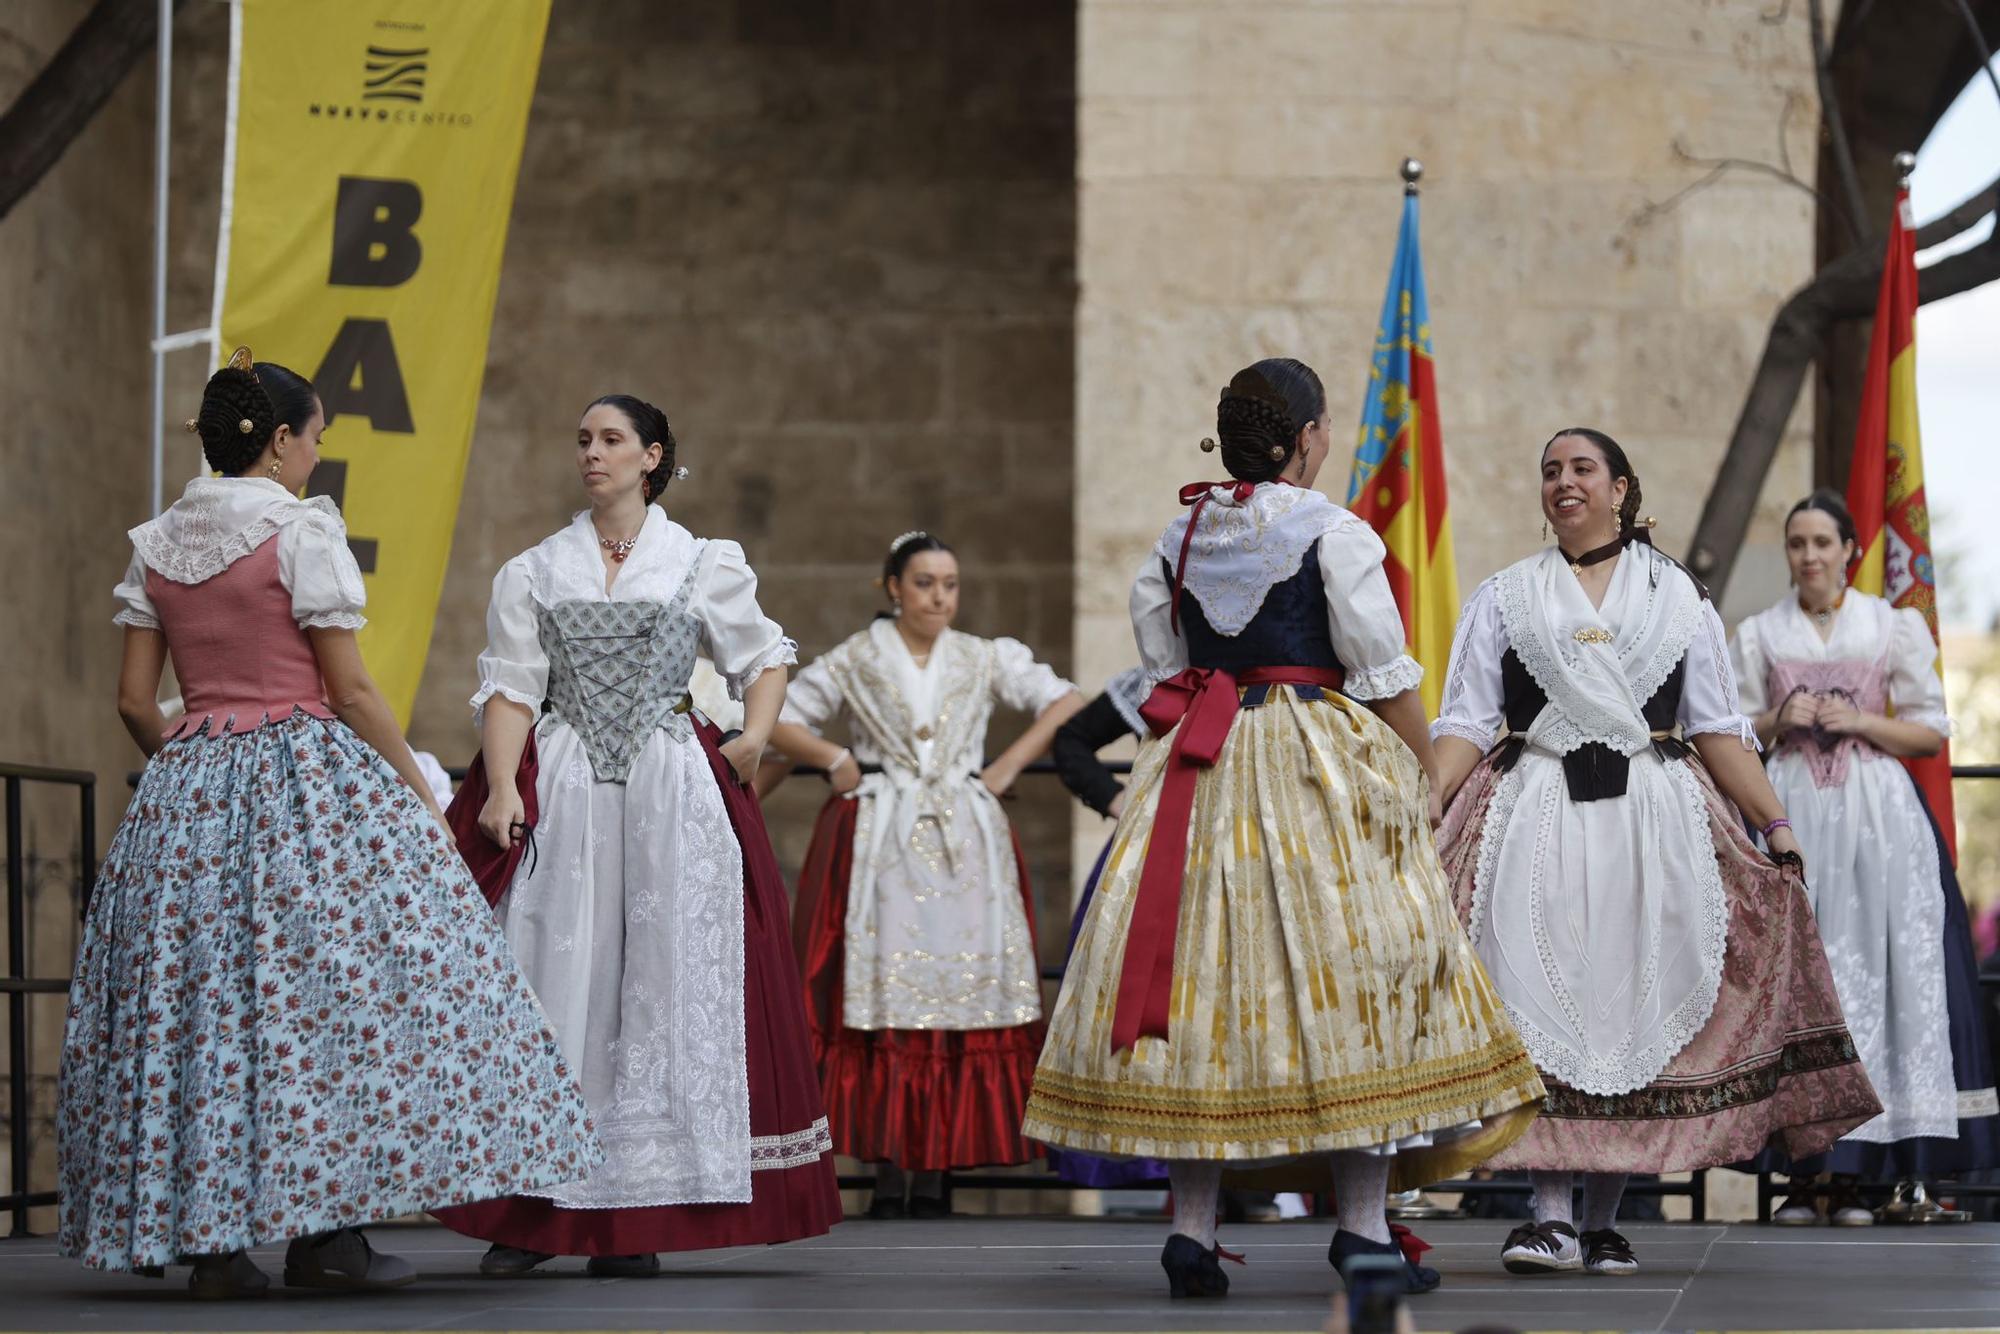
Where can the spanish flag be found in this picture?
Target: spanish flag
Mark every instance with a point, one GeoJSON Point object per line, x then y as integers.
{"type": "Point", "coordinates": [1397, 484]}
{"type": "Point", "coordinates": [1885, 483]}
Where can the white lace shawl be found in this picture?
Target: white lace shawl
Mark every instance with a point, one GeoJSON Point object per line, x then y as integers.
{"type": "Point", "coordinates": [1243, 550]}
{"type": "Point", "coordinates": [218, 521]}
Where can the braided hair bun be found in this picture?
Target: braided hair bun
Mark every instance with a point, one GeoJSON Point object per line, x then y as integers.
{"type": "Point", "coordinates": [242, 408]}
{"type": "Point", "coordinates": [1259, 416]}
{"type": "Point", "coordinates": [236, 420]}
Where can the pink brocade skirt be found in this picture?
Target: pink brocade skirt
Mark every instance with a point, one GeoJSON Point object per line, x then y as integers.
{"type": "Point", "coordinates": [1774, 1065]}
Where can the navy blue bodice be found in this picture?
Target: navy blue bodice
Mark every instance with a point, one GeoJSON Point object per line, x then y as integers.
{"type": "Point", "coordinates": [1289, 630]}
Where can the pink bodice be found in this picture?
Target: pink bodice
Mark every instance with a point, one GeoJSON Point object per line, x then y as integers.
{"type": "Point", "coordinates": [1864, 684]}
{"type": "Point", "coordinates": [241, 658]}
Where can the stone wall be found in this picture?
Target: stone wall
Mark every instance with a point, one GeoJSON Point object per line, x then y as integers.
{"type": "Point", "coordinates": [73, 313]}
{"type": "Point", "coordinates": [1238, 198]}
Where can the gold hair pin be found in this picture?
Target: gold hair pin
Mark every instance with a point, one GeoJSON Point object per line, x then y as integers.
{"type": "Point", "coordinates": [241, 360]}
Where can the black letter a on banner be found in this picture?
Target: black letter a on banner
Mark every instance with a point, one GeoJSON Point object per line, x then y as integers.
{"type": "Point", "coordinates": [364, 348]}
{"type": "Point", "coordinates": [373, 241]}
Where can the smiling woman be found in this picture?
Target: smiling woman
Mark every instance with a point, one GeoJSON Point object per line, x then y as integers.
{"type": "Point", "coordinates": [1598, 858]}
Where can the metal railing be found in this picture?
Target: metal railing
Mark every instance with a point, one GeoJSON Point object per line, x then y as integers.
{"type": "Point", "coordinates": [18, 985]}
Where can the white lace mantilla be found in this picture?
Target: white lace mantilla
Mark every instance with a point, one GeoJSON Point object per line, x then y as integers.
{"type": "Point", "coordinates": [220, 520]}
{"type": "Point", "coordinates": [1596, 679]}
{"type": "Point", "coordinates": [1242, 550]}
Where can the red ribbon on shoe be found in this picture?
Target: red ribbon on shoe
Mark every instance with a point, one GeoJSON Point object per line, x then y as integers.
{"type": "Point", "coordinates": [1412, 1246]}
{"type": "Point", "coordinates": [1203, 702]}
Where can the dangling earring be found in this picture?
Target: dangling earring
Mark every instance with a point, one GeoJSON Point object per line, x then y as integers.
{"type": "Point", "coordinates": [1545, 530]}
{"type": "Point", "coordinates": [897, 607]}
{"type": "Point", "coordinates": [277, 463]}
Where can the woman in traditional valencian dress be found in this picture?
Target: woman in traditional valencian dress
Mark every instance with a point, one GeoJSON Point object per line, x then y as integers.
{"type": "Point", "coordinates": [1840, 684]}
{"type": "Point", "coordinates": [1271, 968]}
{"type": "Point", "coordinates": [641, 894]}
{"type": "Point", "coordinates": [291, 1015]}
{"type": "Point", "coordinates": [1666, 976]}
{"type": "Point", "coordinates": [917, 929]}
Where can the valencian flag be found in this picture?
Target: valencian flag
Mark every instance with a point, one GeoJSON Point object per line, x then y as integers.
{"type": "Point", "coordinates": [1397, 484]}
{"type": "Point", "coordinates": [1885, 483]}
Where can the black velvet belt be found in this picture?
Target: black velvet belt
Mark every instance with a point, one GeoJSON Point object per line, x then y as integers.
{"type": "Point", "coordinates": [1593, 771]}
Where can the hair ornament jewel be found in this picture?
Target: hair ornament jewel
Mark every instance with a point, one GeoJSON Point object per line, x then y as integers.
{"type": "Point", "coordinates": [191, 426]}
{"type": "Point", "coordinates": [681, 473]}
{"type": "Point", "coordinates": [1207, 443]}
{"type": "Point", "coordinates": [910, 536]}
{"type": "Point", "coordinates": [241, 360]}
{"type": "Point", "coordinates": [1277, 452]}
{"type": "Point", "coordinates": [246, 426]}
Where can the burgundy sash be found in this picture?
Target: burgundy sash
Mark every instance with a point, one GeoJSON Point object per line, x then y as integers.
{"type": "Point", "coordinates": [1204, 702]}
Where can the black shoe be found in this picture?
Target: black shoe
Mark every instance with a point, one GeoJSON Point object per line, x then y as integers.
{"type": "Point", "coordinates": [623, 1266]}
{"type": "Point", "coordinates": [1347, 1246]}
{"type": "Point", "coordinates": [887, 1207]}
{"type": "Point", "coordinates": [1606, 1252]}
{"type": "Point", "coordinates": [1193, 1270]}
{"type": "Point", "coordinates": [929, 1206]}
{"type": "Point", "coordinates": [510, 1261]}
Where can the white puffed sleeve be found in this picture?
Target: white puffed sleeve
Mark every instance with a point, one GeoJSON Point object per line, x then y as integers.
{"type": "Point", "coordinates": [1709, 699]}
{"type": "Point", "coordinates": [813, 699]}
{"type": "Point", "coordinates": [1367, 627]}
{"type": "Point", "coordinates": [1020, 682]}
{"type": "Point", "coordinates": [1753, 691]}
{"type": "Point", "coordinates": [1915, 690]}
{"type": "Point", "coordinates": [1474, 703]}
{"type": "Point", "coordinates": [134, 607]}
{"type": "Point", "coordinates": [736, 635]}
{"type": "Point", "coordinates": [513, 664]}
{"type": "Point", "coordinates": [1162, 653]}
{"type": "Point", "coordinates": [318, 569]}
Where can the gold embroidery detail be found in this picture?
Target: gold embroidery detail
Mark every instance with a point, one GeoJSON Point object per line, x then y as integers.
{"type": "Point", "coordinates": [1591, 634]}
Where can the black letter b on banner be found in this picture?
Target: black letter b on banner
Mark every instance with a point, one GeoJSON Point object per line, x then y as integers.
{"type": "Point", "coordinates": [373, 241]}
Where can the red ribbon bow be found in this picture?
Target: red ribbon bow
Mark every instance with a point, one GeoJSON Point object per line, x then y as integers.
{"type": "Point", "coordinates": [1412, 1246]}
{"type": "Point", "coordinates": [1198, 494]}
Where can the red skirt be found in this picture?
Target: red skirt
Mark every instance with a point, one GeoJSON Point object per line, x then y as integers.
{"type": "Point", "coordinates": [927, 1100]}
{"type": "Point", "coordinates": [786, 1203]}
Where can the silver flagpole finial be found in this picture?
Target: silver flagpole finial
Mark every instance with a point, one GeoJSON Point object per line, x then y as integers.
{"type": "Point", "coordinates": [1413, 171]}
{"type": "Point", "coordinates": [1906, 162]}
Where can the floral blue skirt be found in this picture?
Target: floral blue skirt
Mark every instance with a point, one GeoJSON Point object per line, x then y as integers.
{"type": "Point", "coordinates": [292, 1012]}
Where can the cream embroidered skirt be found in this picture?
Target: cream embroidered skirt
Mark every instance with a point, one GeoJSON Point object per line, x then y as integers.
{"type": "Point", "coordinates": [1324, 995]}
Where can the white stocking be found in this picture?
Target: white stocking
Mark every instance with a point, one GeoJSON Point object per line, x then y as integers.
{"type": "Point", "coordinates": [1196, 1187]}
{"type": "Point", "coordinates": [1552, 1197]}
{"type": "Point", "coordinates": [1360, 1193]}
{"type": "Point", "coordinates": [1601, 1193]}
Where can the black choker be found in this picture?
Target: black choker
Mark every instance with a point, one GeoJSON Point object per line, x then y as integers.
{"type": "Point", "coordinates": [1595, 556]}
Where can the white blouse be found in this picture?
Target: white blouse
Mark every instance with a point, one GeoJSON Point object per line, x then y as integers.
{"type": "Point", "coordinates": [1366, 627]}
{"type": "Point", "coordinates": [735, 634]}
{"type": "Point", "coordinates": [1474, 707]}
{"type": "Point", "coordinates": [218, 521]}
{"type": "Point", "coordinates": [1865, 629]}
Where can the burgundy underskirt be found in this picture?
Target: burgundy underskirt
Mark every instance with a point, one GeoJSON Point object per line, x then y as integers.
{"type": "Point", "coordinates": [786, 1203]}
{"type": "Point", "coordinates": [927, 1100]}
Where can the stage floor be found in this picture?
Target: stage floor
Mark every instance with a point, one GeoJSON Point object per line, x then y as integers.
{"type": "Point", "coordinates": [1083, 1274]}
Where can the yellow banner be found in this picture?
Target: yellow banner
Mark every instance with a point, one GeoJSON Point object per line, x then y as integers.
{"type": "Point", "coordinates": [373, 146]}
